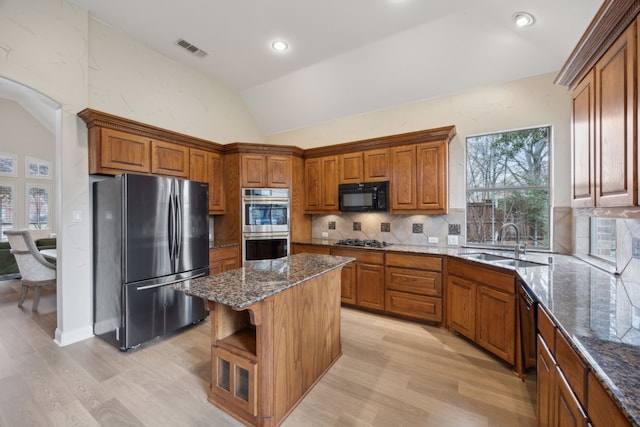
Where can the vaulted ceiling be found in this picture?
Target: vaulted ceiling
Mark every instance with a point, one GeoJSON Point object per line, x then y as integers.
{"type": "Point", "coordinates": [348, 57]}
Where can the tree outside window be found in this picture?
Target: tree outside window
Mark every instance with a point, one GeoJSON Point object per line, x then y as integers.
{"type": "Point", "coordinates": [508, 182]}
{"type": "Point", "coordinates": [38, 206]}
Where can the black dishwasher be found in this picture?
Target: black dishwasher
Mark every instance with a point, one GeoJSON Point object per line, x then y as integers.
{"type": "Point", "coordinates": [527, 305]}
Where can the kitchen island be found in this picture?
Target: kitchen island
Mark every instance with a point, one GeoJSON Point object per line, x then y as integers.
{"type": "Point", "coordinates": [275, 331]}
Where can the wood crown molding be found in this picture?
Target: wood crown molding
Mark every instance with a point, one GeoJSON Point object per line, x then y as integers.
{"type": "Point", "coordinates": [99, 119]}
{"type": "Point", "coordinates": [437, 134]}
{"type": "Point", "coordinates": [613, 17]}
{"type": "Point", "coordinates": [251, 148]}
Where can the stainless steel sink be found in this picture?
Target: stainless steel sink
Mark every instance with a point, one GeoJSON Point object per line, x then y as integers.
{"type": "Point", "coordinates": [482, 256]}
{"type": "Point", "coordinates": [501, 260]}
{"type": "Point", "coordinates": [518, 263]}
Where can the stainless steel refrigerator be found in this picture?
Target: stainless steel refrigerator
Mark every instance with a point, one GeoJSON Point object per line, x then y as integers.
{"type": "Point", "coordinates": [148, 233]}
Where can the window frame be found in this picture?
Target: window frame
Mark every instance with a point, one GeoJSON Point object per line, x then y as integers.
{"type": "Point", "coordinates": [14, 158]}
{"type": "Point", "coordinates": [12, 185]}
{"type": "Point", "coordinates": [38, 185]}
{"type": "Point", "coordinates": [496, 241]}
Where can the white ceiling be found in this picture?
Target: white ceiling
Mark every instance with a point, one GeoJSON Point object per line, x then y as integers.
{"type": "Point", "coordinates": [352, 56]}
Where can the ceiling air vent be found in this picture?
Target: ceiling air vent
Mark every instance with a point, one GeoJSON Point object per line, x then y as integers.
{"type": "Point", "coordinates": [191, 48]}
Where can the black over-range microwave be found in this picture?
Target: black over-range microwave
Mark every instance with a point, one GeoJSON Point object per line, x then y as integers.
{"type": "Point", "coordinates": [364, 197]}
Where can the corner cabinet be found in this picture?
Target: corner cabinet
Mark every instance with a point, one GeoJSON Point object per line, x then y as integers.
{"type": "Point", "coordinates": [603, 76]}
{"type": "Point", "coordinates": [261, 170]}
{"type": "Point", "coordinates": [481, 305]}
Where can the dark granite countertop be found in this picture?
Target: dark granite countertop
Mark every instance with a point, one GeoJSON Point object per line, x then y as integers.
{"type": "Point", "coordinates": [257, 280]}
{"type": "Point", "coordinates": [597, 311]}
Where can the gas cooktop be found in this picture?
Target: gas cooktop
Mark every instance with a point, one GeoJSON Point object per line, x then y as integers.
{"type": "Point", "coordinates": [363, 243]}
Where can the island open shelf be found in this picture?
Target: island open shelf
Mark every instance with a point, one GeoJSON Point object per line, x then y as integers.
{"type": "Point", "coordinates": [267, 355]}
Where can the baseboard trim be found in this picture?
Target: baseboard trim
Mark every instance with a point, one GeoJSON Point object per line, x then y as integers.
{"type": "Point", "coordinates": [71, 337]}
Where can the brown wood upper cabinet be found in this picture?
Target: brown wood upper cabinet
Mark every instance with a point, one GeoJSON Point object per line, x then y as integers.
{"type": "Point", "coordinates": [420, 178]}
{"type": "Point", "coordinates": [321, 184]}
{"type": "Point", "coordinates": [115, 151]}
{"type": "Point", "coordinates": [262, 170]}
{"type": "Point", "coordinates": [367, 166]}
{"type": "Point", "coordinates": [603, 76]}
{"type": "Point", "coordinates": [169, 159]}
{"type": "Point", "coordinates": [207, 167]}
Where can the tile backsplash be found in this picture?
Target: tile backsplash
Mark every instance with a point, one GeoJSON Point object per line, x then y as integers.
{"type": "Point", "coordinates": [417, 229]}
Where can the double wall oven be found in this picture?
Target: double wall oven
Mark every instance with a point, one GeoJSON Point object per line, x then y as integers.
{"type": "Point", "coordinates": [265, 223]}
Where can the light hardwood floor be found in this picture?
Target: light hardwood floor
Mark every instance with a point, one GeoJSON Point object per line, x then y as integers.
{"type": "Point", "coordinates": [392, 373]}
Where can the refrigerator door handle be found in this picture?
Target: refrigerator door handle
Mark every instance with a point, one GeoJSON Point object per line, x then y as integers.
{"type": "Point", "coordinates": [159, 285]}
{"type": "Point", "coordinates": [171, 225]}
{"type": "Point", "coordinates": [179, 225]}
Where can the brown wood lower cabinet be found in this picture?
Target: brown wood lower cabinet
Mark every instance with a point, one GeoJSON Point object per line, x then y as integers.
{"type": "Point", "coordinates": [224, 259]}
{"type": "Point", "coordinates": [414, 286]}
{"type": "Point", "coordinates": [567, 394]}
{"type": "Point", "coordinates": [363, 280]}
{"type": "Point", "coordinates": [481, 305]}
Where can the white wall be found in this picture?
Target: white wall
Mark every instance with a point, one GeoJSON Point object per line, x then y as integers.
{"type": "Point", "coordinates": [24, 136]}
{"type": "Point", "coordinates": [523, 103]}
{"type": "Point", "coordinates": [129, 80]}
{"type": "Point", "coordinates": [53, 47]}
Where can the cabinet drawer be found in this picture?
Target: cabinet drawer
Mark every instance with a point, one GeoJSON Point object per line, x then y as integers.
{"type": "Point", "coordinates": [417, 306]}
{"type": "Point", "coordinates": [420, 282]}
{"type": "Point", "coordinates": [421, 262]}
{"type": "Point", "coordinates": [469, 270]}
{"type": "Point", "coordinates": [573, 368]}
{"type": "Point", "coordinates": [300, 248]}
{"type": "Point", "coordinates": [601, 409]}
{"type": "Point", "coordinates": [361, 255]}
{"type": "Point", "coordinates": [547, 329]}
{"type": "Point", "coordinates": [223, 253]}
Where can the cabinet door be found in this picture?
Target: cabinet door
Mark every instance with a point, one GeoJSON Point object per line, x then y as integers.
{"type": "Point", "coordinates": [198, 166]}
{"type": "Point", "coordinates": [123, 152]}
{"type": "Point", "coordinates": [370, 285]}
{"type": "Point", "coordinates": [215, 173]}
{"type": "Point", "coordinates": [461, 306]}
{"type": "Point", "coordinates": [377, 165]}
{"type": "Point", "coordinates": [403, 182]}
{"type": "Point", "coordinates": [279, 171]}
{"type": "Point", "coordinates": [254, 170]}
{"type": "Point", "coordinates": [351, 168]}
{"type": "Point", "coordinates": [330, 183]}
{"type": "Point", "coordinates": [567, 409]}
{"type": "Point", "coordinates": [602, 411]}
{"type": "Point", "coordinates": [583, 133]}
{"type": "Point", "coordinates": [348, 284]}
{"type": "Point", "coordinates": [496, 322]}
{"type": "Point", "coordinates": [616, 95]}
{"type": "Point", "coordinates": [312, 184]}
{"type": "Point", "coordinates": [169, 159]}
{"type": "Point", "coordinates": [545, 385]}
{"type": "Point", "coordinates": [431, 178]}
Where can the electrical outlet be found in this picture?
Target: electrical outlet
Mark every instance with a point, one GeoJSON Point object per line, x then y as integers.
{"type": "Point", "coordinates": [325, 234]}
{"type": "Point", "coordinates": [433, 239]}
{"type": "Point", "coordinates": [452, 240]}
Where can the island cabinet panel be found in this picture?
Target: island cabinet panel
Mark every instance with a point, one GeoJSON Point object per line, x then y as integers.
{"type": "Point", "coordinates": [121, 152]}
{"type": "Point", "coordinates": [583, 134]}
{"type": "Point", "coordinates": [413, 286]}
{"type": "Point", "coordinates": [377, 165]}
{"type": "Point", "coordinates": [267, 356]}
{"type": "Point", "coordinates": [169, 159]}
{"type": "Point", "coordinates": [602, 410]}
{"type": "Point", "coordinates": [351, 169]}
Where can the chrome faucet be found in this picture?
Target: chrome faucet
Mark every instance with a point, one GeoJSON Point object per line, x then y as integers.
{"type": "Point", "coordinates": [520, 248]}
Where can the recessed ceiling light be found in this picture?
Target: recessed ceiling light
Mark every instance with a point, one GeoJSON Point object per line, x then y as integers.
{"type": "Point", "coordinates": [523, 19]}
{"type": "Point", "coordinates": [279, 45]}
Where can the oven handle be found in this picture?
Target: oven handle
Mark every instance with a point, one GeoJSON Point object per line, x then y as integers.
{"type": "Point", "coordinates": [254, 236]}
{"type": "Point", "coordinates": [265, 199]}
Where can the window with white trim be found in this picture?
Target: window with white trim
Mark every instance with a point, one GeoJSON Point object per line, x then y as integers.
{"type": "Point", "coordinates": [508, 182]}
{"type": "Point", "coordinates": [38, 206]}
{"type": "Point", "coordinates": [7, 207]}
{"type": "Point", "coordinates": [8, 164]}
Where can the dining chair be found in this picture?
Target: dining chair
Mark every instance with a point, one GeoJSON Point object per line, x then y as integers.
{"type": "Point", "coordinates": [35, 270]}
